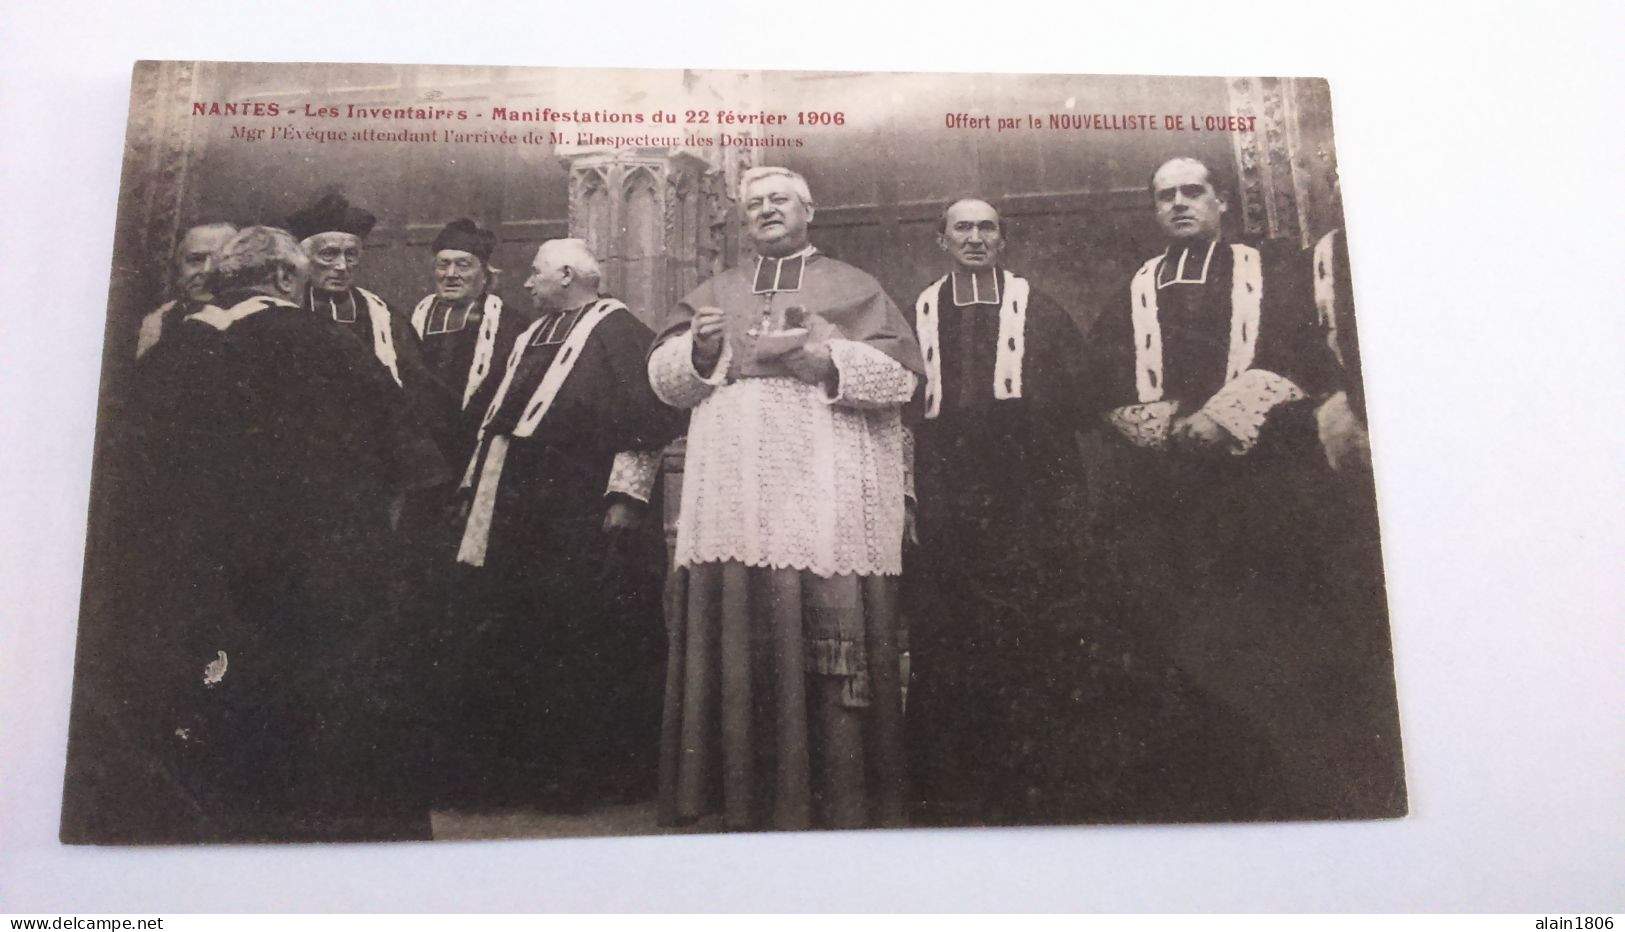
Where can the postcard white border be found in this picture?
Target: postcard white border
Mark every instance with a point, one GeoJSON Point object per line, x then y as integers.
{"type": "Point", "coordinates": [1477, 151]}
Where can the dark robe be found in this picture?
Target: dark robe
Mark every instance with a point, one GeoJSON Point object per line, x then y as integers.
{"type": "Point", "coordinates": [563, 648]}
{"type": "Point", "coordinates": [161, 322]}
{"type": "Point", "coordinates": [433, 522]}
{"type": "Point", "coordinates": [131, 754]}
{"type": "Point", "coordinates": [1235, 667]}
{"type": "Point", "coordinates": [833, 300]}
{"type": "Point", "coordinates": [253, 589]}
{"type": "Point", "coordinates": [447, 349]}
{"type": "Point", "coordinates": [429, 398]}
{"type": "Point", "coordinates": [1364, 747]}
{"type": "Point", "coordinates": [993, 591]}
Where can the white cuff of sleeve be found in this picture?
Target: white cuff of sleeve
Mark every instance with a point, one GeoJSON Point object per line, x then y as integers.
{"type": "Point", "coordinates": [1145, 425]}
{"type": "Point", "coordinates": [867, 378]}
{"type": "Point", "coordinates": [1241, 406]}
{"type": "Point", "coordinates": [633, 474]}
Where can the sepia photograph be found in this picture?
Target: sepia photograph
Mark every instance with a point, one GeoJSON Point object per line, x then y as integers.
{"type": "Point", "coordinates": [508, 458]}
{"type": "Point", "coordinates": [490, 452]}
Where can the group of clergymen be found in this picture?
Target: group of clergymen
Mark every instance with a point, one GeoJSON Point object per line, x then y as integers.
{"type": "Point", "coordinates": [369, 562]}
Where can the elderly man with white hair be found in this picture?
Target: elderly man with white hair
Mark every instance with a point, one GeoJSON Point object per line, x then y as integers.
{"type": "Point", "coordinates": [995, 582]}
{"type": "Point", "coordinates": [783, 695]}
{"type": "Point", "coordinates": [333, 233]}
{"type": "Point", "coordinates": [562, 689]}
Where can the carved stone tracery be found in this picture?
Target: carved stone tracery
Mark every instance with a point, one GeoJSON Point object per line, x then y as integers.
{"type": "Point", "coordinates": [1287, 177]}
{"type": "Point", "coordinates": [660, 222]}
{"type": "Point", "coordinates": [657, 220]}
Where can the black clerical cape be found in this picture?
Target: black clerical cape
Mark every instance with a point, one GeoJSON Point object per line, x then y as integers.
{"type": "Point", "coordinates": [562, 665]}
{"type": "Point", "coordinates": [1220, 557]}
{"type": "Point", "coordinates": [463, 346]}
{"type": "Point", "coordinates": [269, 691]}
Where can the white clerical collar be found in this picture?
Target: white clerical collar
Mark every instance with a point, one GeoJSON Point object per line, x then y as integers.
{"type": "Point", "coordinates": [556, 325]}
{"type": "Point", "coordinates": [342, 313]}
{"type": "Point", "coordinates": [781, 273]}
{"type": "Point", "coordinates": [445, 316]}
{"type": "Point", "coordinates": [1183, 266]}
{"type": "Point", "coordinates": [977, 287]}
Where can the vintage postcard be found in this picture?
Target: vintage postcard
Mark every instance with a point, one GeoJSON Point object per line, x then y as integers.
{"type": "Point", "coordinates": [492, 452]}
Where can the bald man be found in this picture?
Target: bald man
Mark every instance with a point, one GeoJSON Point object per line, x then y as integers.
{"type": "Point", "coordinates": [562, 691]}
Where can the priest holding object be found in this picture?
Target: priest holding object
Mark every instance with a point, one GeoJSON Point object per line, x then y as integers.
{"type": "Point", "coordinates": [782, 694]}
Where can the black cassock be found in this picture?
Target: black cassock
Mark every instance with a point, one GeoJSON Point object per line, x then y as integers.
{"type": "Point", "coordinates": [994, 589]}
{"type": "Point", "coordinates": [431, 525]}
{"type": "Point", "coordinates": [447, 348]}
{"type": "Point", "coordinates": [245, 631]}
{"type": "Point", "coordinates": [1248, 692]}
{"type": "Point", "coordinates": [132, 753]}
{"type": "Point", "coordinates": [430, 399]}
{"type": "Point", "coordinates": [561, 639]}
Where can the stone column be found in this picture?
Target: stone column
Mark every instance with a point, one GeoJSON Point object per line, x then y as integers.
{"type": "Point", "coordinates": [157, 156]}
{"type": "Point", "coordinates": [159, 151]}
{"type": "Point", "coordinates": [1287, 169]}
{"type": "Point", "coordinates": [660, 222]}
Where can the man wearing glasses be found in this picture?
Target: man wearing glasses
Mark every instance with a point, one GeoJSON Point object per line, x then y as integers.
{"type": "Point", "coordinates": [333, 233]}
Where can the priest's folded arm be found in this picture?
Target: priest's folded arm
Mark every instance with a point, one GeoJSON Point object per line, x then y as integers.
{"type": "Point", "coordinates": [1144, 425]}
{"type": "Point", "coordinates": [1244, 403]}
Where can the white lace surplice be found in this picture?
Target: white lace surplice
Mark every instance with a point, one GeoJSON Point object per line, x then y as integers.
{"type": "Point", "coordinates": [778, 473]}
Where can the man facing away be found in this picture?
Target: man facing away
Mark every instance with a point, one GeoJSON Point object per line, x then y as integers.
{"type": "Point", "coordinates": [275, 673]}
